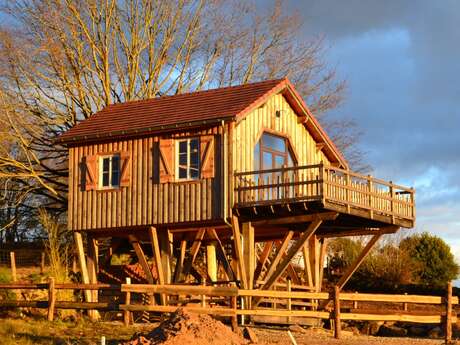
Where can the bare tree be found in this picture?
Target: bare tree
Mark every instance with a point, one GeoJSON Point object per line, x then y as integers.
{"type": "Point", "coordinates": [63, 60]}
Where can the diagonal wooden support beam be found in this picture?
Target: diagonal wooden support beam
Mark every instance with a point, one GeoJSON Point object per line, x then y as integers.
{"type": "Point", "coordinates": [263, 259]}
{"type": "Point", "coordinates": [350, 270]}
{"type": "Point", "coordinates": [239, 251]}
{"type": "Point", "coordinates": [188, 263]}
{"type": "Point", "coordinates": [157, 259]}
{"type": "Point", "coordinates": [307, 266]}
{"type": "Point", "coordinates": [141, 257]}
{"type": "Point", "coordinates": [180, 259]}
{"type": "Point", "coordinates": [279, 254]}
{"type": "Point", "coordinates": [156, 254]}
{"type": "Point", "coordinates": [293, 274]}
{"type": "Point", "coordinates": [290, 254]}
{"type": "Point", "coordinates": [212, 233]}
{"type": "Point", "coordinates": [322, 256]}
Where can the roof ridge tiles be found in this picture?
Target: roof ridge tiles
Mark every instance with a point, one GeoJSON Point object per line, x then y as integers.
{"type": "Point", "coordinates": [185, 94]}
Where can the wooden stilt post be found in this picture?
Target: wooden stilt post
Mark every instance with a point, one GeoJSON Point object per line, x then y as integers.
{"type": "Point", "coordinates": [180, 260]}
{"type": "Point", "coordinates": [448, 321]}
{"type": "Point", "coordinates": [92, 266]}
{"type": "Point", "coordinates": [188, 263]}
{"type": "Point", "coordinates": [211, 261]}
{"type": "Point", "coordinates": [13, 266]}
{"type": "Point", "coordinates": [249, 253]}
{"type": "Point", "coordinates": [337, 325]}
{"type": "Point", "coordinates": [165, 241]}
{"type": "Point", "coordinates": [239, 251]}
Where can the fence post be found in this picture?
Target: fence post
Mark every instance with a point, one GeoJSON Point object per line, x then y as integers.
{"type": "Point", "coordinates": [51, 299]}
{"type": "Point", "coordinates": [233, 302]}
{"type": "Point", "coordinates": [355, 303]}
{"type": "Point", "coordinates": [405, 304]}
{"type": "Point", "coordinates": [42, 263]}
{"type": "Point", "coordinates": [127, 313]}
{"type": "Point", "coordinates": [448, 324]}
{"type": "Point", "coordinates": [289, 301]}
{"type": "Point", "coordinates": [13, 266]}
{"type": "Point", "coordinates": [203, 297]}
{"type": "Point", "coordinates": [337, 325]}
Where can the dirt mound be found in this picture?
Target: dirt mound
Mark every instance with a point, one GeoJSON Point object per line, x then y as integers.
{"type": "Point", "coordinates": [188, 328]}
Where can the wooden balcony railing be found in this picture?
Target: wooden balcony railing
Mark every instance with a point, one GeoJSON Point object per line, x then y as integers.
{"type": "Point", "coordinates": [326, 184]}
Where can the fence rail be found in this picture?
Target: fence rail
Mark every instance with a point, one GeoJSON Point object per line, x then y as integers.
{"type": "Point", "coordinates": [223, 301]}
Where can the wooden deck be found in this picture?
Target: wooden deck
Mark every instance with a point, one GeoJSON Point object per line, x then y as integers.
{"type": "Point", "coordinates": [335, 189]}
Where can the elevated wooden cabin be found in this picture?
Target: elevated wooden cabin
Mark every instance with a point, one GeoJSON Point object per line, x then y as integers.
{"type": "Point", "coordinates": [242, 170]}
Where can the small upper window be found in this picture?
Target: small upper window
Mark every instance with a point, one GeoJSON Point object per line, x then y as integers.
{"type": "Point", "coordinates": [188, 157]}
{"type": "Point", "coordinates": [109, 171]}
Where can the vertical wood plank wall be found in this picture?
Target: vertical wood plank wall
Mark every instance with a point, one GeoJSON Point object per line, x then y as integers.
{"type": "Point", "coordinates": [247, 132]}
{"type": "Point", "coordinates": [144, 202]}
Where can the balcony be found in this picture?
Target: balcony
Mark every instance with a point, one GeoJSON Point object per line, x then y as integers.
{"type": "Point", "coordinates": [333, 189]}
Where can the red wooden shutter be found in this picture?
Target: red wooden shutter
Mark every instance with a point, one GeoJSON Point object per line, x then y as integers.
{"type": "Point", "coordinates": [125, 164]}
{"type": "Point", "coordinates": [166, 160]}
{"type": "Point", "coordinates": [207, 156]}
{"type": "Point", "coordinates": [91, 173]}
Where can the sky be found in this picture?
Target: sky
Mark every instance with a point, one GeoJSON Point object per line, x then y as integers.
{"type": "Point", "coordinates": [401, 61]}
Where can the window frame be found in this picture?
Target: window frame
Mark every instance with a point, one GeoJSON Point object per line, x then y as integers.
{"type": "Point", "coordinates": [110, 171]}
{"type": "Point", "coordinates": [188, 164]}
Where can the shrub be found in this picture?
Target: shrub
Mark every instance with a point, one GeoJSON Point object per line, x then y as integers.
{"type": "Point", "coordinates": [436, 263]}
{"type": "Point", "coordinates": [5, 278]}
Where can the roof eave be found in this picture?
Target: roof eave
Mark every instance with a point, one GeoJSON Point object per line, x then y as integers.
{"type": "Point", "coordinates": [122, 134]}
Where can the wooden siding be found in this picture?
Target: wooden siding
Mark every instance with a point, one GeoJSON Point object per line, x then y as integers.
{"type": "Point", "coordinates": [144, 202]}
{"type": "Point", "coordinates": [248, 131]}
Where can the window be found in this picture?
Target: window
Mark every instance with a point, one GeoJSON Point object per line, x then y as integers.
{"type": "Point", "coordinates": [109, 168]}
{"type": "Point", "coordinates": [188, 157]}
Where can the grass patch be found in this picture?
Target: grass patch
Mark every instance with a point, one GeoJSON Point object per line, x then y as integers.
{"type": "Point", "coordinates": [82, 332]}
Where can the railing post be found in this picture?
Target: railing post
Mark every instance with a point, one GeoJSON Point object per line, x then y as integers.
{"type": "Point", "coordinates": [369, 190]}
{"type": "Point", "coordinates": [347, 190]}
{"type": "Point", "coordinates": [337, 325]}
{"type": "Point", "coordinates": [412, 202]}
{"type": "Point", "coordinates": [322, 182]}
{"type": "Point", "coordinates": [392, 205]}
{"type": "Point", "coordinates": [51, 299]}
{"type": "Point", "coordinates": [448, 323]}
{"type": "Point", "coordinates": [13, 266]}
{"type": "Point", "coordinates": [283, 180]}
{"type": "Point", "coordinates": [127, 313]}
{"type": "Point", "coordinates": [405, 304]}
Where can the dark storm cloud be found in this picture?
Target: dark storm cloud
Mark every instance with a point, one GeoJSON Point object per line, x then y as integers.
{"type": "Point", "coordinates": [402, 63]}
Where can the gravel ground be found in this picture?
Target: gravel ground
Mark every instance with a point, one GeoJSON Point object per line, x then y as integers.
{"type": "Point", "coordinates": [322, 337]}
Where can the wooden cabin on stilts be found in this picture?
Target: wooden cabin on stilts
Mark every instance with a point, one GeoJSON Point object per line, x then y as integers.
{"type": "Point", "coordinates": [225, 186]}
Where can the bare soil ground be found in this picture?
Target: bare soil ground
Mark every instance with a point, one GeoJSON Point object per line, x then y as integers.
{"type": "Point", "coordinates": [28, 331]}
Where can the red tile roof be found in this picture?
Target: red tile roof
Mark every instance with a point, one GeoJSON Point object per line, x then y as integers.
{"type": "Point", "coordinates": [192, 109]}
{"type": "Point", "coordinates": [151, 114]}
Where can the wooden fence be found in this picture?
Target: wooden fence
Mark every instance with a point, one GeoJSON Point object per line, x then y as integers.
{"type": "Point", "coordinates": [230, 301]}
